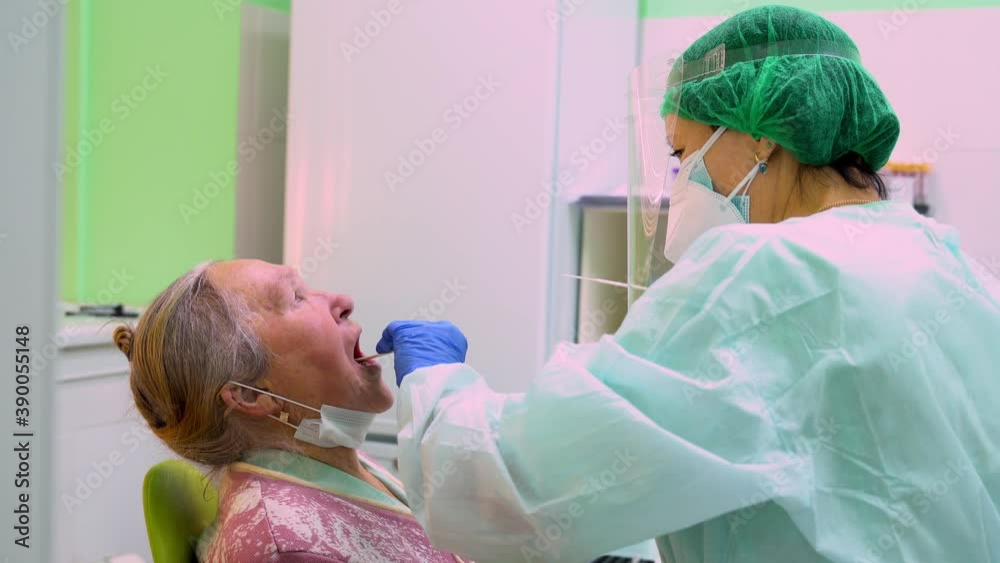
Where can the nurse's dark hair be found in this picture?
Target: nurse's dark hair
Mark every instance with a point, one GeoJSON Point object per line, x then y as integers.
{"type": "Point", "coordinates": [191, 340]}
{"type": "Point", "coordinates": [852, 167]}
{"type": "Point", "coordinates": [858, 173]}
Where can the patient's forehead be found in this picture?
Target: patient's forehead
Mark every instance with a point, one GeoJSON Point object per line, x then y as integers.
{"type": "Point", "coordinates": [261, 282]}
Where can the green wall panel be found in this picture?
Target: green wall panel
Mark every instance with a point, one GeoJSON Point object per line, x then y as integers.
{"type": "Point", "coordinates": [152, 90]}
{"type": "Point", "coordinates": [717, 8]}
{"type": "Point", "coordinates": [280, 5]}
{"type": "Point", "coordinates": [72, 236]}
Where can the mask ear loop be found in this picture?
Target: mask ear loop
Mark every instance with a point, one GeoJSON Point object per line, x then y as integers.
{"type": "Point", "coordinates": [703, 151]}
{"type": "Point", "coordinates": [283, 417]}
{"type": "Point", "coordinates": [759, 168]}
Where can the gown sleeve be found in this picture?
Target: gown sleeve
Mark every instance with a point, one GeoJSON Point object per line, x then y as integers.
{"type": "Point", "coordinates": [643, 433]}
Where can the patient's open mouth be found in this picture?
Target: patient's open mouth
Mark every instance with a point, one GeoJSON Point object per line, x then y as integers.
{"type": "Point", "coordinates": [368, 361]}
{"type": "Point", "coordinates": [357, 350]}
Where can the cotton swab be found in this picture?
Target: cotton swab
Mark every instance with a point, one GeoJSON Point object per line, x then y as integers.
{"type": "Point", "coordinates": [607, 282]}
{"type": "Point", "coordinates": [371, 357]}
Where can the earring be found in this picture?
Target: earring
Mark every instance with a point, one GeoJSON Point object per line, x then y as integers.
{"type": "Point", "coordinates": [761, 165]}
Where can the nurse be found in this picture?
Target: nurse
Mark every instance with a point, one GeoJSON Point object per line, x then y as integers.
{"type": "Point", "coordinates": [813, 380]}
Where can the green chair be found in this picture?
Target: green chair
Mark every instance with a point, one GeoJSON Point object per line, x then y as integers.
{"type": "Point", "coordinates": [179, 503]}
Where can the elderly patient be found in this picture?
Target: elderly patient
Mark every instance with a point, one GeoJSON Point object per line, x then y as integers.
{"type": "Point", "coordinates": [242, 367]}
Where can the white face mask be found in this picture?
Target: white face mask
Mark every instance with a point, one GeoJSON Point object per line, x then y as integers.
{"type": "Point", "coordinates": [334, 427]}
{"type": "Point", "coordinates": [696, 208]}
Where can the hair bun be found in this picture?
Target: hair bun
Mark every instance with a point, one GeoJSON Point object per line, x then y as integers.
{"type": "Point", "coordinates": [123, 339]}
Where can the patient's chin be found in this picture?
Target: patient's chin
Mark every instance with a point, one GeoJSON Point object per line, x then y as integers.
{"type": "Point", "coordinates": [388, 404]}
{"type": "Point", "coordinates": [385, 399]}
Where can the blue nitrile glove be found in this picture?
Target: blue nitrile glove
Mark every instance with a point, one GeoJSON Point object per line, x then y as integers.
{"type": "Point", "coordinates": [418, 344]}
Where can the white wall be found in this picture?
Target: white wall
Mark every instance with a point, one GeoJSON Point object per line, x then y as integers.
{"type": "Point", "coordinates": [935, 67]}
{"type": "Point", "coordinates": [399, 248]}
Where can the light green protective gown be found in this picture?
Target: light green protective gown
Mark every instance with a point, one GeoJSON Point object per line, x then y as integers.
{"type": "Point", "coordinates": [822, 389]}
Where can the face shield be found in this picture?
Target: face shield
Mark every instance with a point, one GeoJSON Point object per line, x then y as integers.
{"type": "Point", "coordinates": [655, 91]}
{"type": "Point", "coordinates": [655, 99]}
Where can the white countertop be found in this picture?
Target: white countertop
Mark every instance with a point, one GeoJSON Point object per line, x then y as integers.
{"type": "Point", "coordinates": [80, 332]}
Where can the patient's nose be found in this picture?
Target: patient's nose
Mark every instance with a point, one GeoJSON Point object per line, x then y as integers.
{"type": "Point", "coordinates": [341, 306]}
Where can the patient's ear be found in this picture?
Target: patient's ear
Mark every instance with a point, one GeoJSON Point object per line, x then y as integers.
{"type": "Point", "coordinates": [248, 401]}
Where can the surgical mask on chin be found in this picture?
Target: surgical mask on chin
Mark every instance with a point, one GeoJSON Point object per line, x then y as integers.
{"type": "Point", "coordinates": [695, 206]}
{"type": "Point", "coordinates": [334, 427]}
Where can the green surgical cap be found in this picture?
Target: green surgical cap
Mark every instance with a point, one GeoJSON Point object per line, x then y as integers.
{"type": "Point", "coordinates": [819, 108]}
